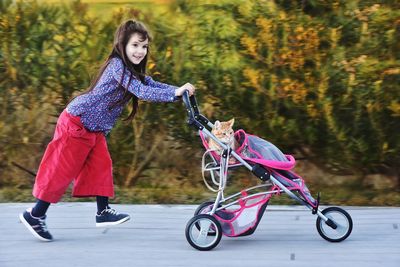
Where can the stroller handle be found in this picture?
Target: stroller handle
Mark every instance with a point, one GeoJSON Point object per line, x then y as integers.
{"type": "Point", "coordinates": [195, 119]}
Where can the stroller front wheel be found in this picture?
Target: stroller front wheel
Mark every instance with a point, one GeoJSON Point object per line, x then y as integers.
{"type": "Point", "coordinates": [339, 226]}
{"type": "Point", "coordinates": [207, 236]}
{"type": "Point", "coordinates": [204, 208]}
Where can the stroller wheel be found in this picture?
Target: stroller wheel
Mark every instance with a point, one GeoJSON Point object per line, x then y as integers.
{"type": "Point", "coordinates": [338, 227]}
{"type": "Point", "coordinates": [202, 209]}
{"type": "Point", "coordinates": [207, 236]}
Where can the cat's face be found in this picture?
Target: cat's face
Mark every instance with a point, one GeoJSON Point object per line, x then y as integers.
{"type": "Point", "coordinates": [224, 131]}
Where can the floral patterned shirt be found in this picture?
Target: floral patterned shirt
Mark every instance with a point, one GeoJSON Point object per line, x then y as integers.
{"type": "Point", "coordinates": [94, 106]}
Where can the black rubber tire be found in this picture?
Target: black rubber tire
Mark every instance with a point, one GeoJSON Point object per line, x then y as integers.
{"type": "Point", "coordinates": [321, 224]}
{"type": "Point", "coordinates": [202, 206]}
{"type": "Point", "coordinates": [217, 235]}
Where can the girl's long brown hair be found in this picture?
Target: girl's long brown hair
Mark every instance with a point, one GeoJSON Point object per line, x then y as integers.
{"type": "Point", "coordinates": [121, 38]}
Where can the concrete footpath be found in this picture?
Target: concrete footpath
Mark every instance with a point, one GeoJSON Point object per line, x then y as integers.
{"type": "Point", "coordinates": [155, 236]}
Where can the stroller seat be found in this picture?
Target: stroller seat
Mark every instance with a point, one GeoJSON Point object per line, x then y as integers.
{"type": "Point", "coordinates": [256, 150]}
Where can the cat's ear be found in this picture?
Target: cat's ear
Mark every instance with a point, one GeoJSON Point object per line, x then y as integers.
{"type": "Point", "coordinates": [217, 125]}
{"type": "Point", "coordinates": [231, 122]}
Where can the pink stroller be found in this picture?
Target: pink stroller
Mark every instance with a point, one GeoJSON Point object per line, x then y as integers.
{"type": "Point", "coordinates": [239, 214]}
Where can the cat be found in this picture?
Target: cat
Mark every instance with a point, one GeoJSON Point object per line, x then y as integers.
{"type": "Point", "coordinates": [224, 132]}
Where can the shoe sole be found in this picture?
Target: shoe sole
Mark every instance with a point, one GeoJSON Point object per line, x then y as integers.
{"type": "Point", "coordinates": [106, 224]}
{"type": "Point", "coordinates": [27, 225]}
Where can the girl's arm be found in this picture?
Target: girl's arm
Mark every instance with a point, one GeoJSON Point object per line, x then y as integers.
{"type": "Point", "coordinates": [144, 92]}
{"type": "Point", "coordinates": [151, 82]}
{"type": "Point", "coordinates": [178, 91]}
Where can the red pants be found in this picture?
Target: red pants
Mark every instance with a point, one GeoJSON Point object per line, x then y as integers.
{"type": "Point", "coordinates": [77, 155]}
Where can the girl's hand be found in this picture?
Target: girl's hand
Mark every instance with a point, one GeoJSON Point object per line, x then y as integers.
{"type": "Point", "coordinates": [187, 86]}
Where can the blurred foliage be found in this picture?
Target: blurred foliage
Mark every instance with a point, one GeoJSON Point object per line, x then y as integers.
{"type": "Point", "coordinates": [320, 79]}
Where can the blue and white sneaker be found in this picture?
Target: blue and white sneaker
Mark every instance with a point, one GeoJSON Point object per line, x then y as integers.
{"type": "Point", "coordinates": [110, 217]}
{"type": "Point", "coordinates": [37, 226]}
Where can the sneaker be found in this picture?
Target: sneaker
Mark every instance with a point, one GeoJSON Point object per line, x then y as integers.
{"type": "Point", "coordinates": [109, 217]}
{"type": "Point", "coordinates": [37, 226]}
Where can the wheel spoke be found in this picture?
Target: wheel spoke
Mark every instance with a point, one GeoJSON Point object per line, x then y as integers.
{"type": "Point", "coordinates": [202, 236]}
{"type": "Point", "coordinates": [340, 229]}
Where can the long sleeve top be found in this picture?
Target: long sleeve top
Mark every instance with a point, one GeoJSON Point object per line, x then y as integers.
{"type": "Point", "coordinates": [94, 107]}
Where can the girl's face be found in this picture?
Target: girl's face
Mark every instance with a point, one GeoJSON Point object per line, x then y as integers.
{"type": "Point", "coordinates": [136, 48]}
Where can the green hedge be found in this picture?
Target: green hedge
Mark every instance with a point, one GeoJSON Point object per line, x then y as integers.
{"type": "Point", "coordinates": [320, 80]}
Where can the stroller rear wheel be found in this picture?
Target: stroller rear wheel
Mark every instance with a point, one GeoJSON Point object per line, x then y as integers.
{"type": "Point", "coordinates": [201, 209]}
{"type": "Point", "coordinates": [339, 226]}
{"type": "Point", "coordinates": [207, 236]}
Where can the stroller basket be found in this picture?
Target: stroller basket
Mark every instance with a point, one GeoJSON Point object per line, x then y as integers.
{"type": "Point", "coordinates": [242, 220]}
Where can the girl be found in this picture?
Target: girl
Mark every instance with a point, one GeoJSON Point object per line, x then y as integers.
{"type": "Point", "coordinates": [78, 151]}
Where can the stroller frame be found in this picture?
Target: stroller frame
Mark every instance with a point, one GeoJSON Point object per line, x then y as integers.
{"type": "Point", "coordinates": [328, 223]}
